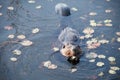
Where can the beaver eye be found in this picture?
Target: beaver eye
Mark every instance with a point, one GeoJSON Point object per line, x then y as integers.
{"type": "Point", "coordinates": [64, 46]}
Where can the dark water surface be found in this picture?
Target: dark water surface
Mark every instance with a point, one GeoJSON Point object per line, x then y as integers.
{"type": "Point", "coordinates": [26, 17]}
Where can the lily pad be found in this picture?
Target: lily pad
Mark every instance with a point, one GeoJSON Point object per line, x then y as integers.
{"type": "Point", "coordinates": [102, 56]}
{"type": "Point", "coordinates": [10, 8]}
{"type": "Point", "coordinates": [112, 71]}
{"type": "Point", "coordinates": [114, 68]}
{"type": "Point", "coordinates": [55, 49]}
{"type": "Point", "coordinates": [73, 70]}
{"type": "Point", "coordinates": [21, 36]}
{"type": "Point", "coordinates": [100, 64]}
{"type": "Point", "coordinates": [101, 74]}
{"type": "Point", "coordinates": [118, 39]}
{"type": "Point", "coordinates": [16, 52]}
{"type": "Point", "coordinates": [88, 30]}
{"type": "Point", "coordinates": [26, 43]}
{"type": "Point", "coordinates": [49, 65]}
{"type": "Point", "coordinates": [11, 36]}
{"type": "Point", "coordinates": [111, 59]}
{"type": "Point", "coordinates": [35, 30]}
{"type": "Point", "coordinates": [14, 59]}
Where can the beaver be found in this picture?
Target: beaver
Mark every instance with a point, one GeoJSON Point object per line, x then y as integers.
{"type": "Point", "coordinates": [68, 37]}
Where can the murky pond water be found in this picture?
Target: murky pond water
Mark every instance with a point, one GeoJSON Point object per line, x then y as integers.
{"type": "Point", "coordinates": [20, 17]}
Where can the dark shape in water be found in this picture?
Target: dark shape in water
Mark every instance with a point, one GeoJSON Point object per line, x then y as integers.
{"type": "Point", "coordinates": [68, 35]}
{"type": "Point", "coordinates": [62, 9]}
{"type": "Point", "coordinates": [73, 60]}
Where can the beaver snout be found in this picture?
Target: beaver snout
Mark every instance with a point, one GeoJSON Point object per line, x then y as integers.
{"type": "Point", "coordinates": [75, 59]}
{"type": "Point", "coordinates": [72, 52]}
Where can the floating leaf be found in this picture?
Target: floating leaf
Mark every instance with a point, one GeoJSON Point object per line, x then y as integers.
{"type": "Point", "coordinates": [26, 43]}
{"type": "Point", "coordinates": [35, 30]}
{"type": "Point", "coordinates": [92, 60]}
{"type": "Point", "coordinates": [0, 6]}
{"type": "Point", "coordinates": [108, 0]}
{"type": "Point", "coordinates": [88, 36]}
{"type": "Point", "coordinates": [31, 1]}
{"type": "Point", "coordinates": [73, 70]}
{"type": "Point", "coordinates": [46, 63]}
{"type": "Point", "coordinates": [10, 8]}
{"type": "Point", "coordinates": [101, 74]}
{"type": "Point", "coordinates": [118, 33]}
{"type": "Point", "coordinates": [83, 18]}
{"type": "Point", "coordinates": [49, 65]}
{"type": "Point", "coordinates": [21, 36]}
{"type": "Point", "coordinates": [8, 27]}
{"type": "Point", "coordinates": [93, 43]}
{"type": "Point", "coordinates": [111, 59]}
{"type": "Point", "coordinates": [103, 41]}
{"type": "Point", "coordinates": [94, 40]}
{"type": "Point", "coordinates": [55, 49]}
{"type": "Point", "coordinates": [11, 36]}
{"type": "Point", "coordinates": [118, 48]}
{"type": "Point", "coordinates": [102, 56]}
{"type": "Point", "coordinates": [108, 24]}
{"type": "Point", "coordinates": [92, 13]}
{"type": "Point", "coordinates": [52, 66]}
{"type": "Point", "coordinates": [89, 42]}
{"type": "Point", "coordinates": [108, 10]}
{"type": "Point", "coordinates": [100, 64]}
{"type": "Point", "coordinates": [16, 52]}
{"type": "Point", "coordinates": [1, 14]}
{"type": "Point", "coordinates": [107, 21]}
{"type": "Point", "coordinates": [118, 39]}
{"type": "Point", "coordinates": [38, 7]}
{"type": "Point", "coordinates": [91, 55]}
{"type": "Point", "coordinates": [88, 30]}
{"type": "Point", "coordinates": [112, 71]}
{"type": "Point", "coordinates": [74, 9]}
{"type": "Point", "coordinates": [13, 59]}
{"type": "Point", "coordinates": [82, 37]}
{"type": "Point", "coordinates": [93, 24]}
{"type": "Point", "coordinates": [114, 68]}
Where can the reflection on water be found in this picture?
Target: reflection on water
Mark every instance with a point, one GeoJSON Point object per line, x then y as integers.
{"type": "Point", "coordinates": [22, 16]}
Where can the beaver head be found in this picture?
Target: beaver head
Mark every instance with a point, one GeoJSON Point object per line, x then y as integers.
{"type": "Point", "coordinates": [72, 52]}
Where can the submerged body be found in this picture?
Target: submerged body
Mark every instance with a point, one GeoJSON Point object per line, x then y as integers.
{"type": "Point", "coordinates": [68, 37]}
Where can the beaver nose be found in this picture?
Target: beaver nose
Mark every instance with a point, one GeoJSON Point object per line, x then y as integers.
{"type": "Point", "coordinates": [62, 9]}
{"type": "Point", "coordinates": [73, 60]}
